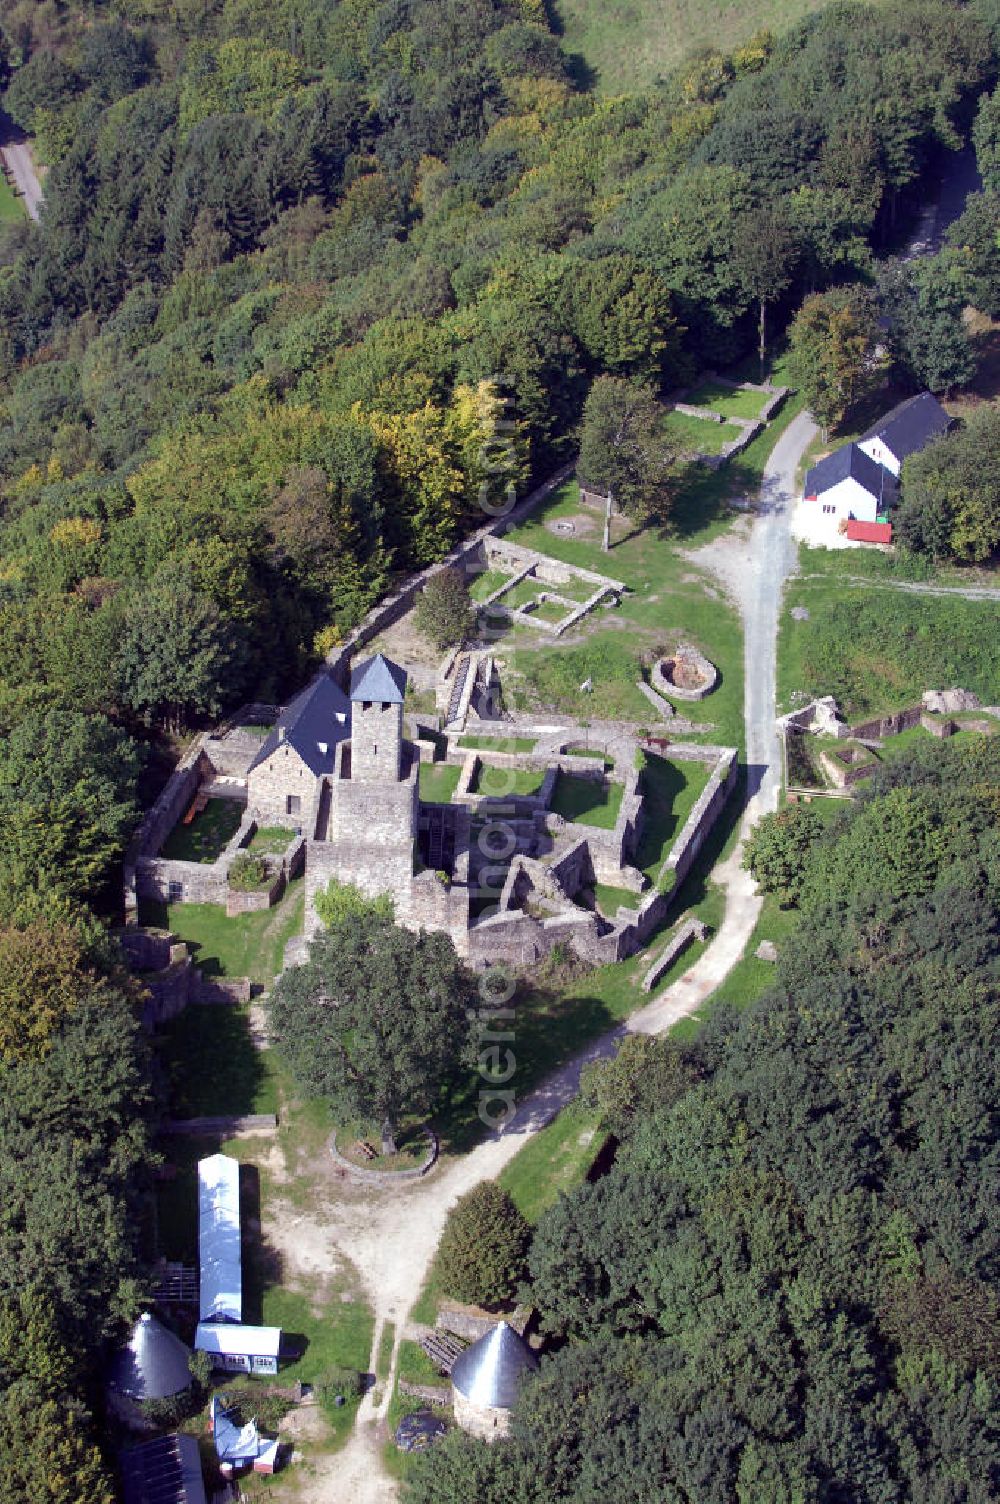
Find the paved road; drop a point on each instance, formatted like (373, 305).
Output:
(390, 1236)
(20, 164)
(772, 559)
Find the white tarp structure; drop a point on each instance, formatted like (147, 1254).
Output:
(250, 1349)
(221, 1296)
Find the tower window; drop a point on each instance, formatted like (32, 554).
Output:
(374, 749)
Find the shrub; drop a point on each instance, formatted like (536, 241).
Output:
(336, 1381)
(248, 872)
(444, 613)
(483, 1250)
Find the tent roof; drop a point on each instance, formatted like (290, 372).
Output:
(489, 1373)
(153, 1365)
(378, 678)
(219, 1238)
(237, 1340)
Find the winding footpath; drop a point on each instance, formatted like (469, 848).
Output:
(390, 1236)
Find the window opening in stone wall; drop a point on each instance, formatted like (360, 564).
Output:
(293, 804)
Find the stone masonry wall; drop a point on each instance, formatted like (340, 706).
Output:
(269, 787)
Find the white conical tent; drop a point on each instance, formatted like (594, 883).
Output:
(153, 1365)
(490, 1372)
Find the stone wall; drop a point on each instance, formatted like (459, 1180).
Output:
(479, 1420)
(887, 725)
(691, 929)
(502, 553)
(704, 814)
(270, 787)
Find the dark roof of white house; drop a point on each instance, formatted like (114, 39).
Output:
(164, 1471)
(154, 1363)
(850, 462)
(378, 678)
(312, 724)
(910, 426)
(489, 1373)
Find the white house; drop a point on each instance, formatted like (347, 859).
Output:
(849, 484)
(905, 431)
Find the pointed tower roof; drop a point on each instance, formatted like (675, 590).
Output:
(154, 1363)
(379, 678)
(489, 1373)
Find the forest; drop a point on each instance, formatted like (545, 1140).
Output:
(304, 269)
(786, 1286)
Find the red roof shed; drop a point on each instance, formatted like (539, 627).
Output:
(869, 532)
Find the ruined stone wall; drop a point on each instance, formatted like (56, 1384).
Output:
(198, 882)
(704, 814)
(888, 725)
(232, 753)
(501, 553)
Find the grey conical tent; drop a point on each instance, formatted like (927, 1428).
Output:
(154, 1363)
(489, 1373)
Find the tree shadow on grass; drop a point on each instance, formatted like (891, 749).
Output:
(211, 1063)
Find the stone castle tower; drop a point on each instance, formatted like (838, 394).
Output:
(377, 690)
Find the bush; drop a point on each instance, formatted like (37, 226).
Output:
(339, 901)
(482, 1254)
(336, 1381)
(444, 611)
(268, 1407)
(248, 872)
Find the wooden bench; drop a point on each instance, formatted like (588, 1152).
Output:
(365, 1151)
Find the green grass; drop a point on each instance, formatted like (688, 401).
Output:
(587, 801)
(699, 435)
(498, 743)
(212, 1067)
(626, 44)
(523, 592)
(551, 679)
(484, 584)
(415, 1367)
(670, 790)
(249, 945)
(496, 782)
(11, 207)
(339, 1337)
(271, 840)
(438, 782)
(610, 900)
(385, 1351)
(551, 611)
(722, 399)
(877, 648)
(579, 749)
(207, 835)
(554, 1162)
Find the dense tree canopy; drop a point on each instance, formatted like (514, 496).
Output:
(377, 1020)
(951, 492)
(784, 1288)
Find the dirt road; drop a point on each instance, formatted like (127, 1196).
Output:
(17, 158)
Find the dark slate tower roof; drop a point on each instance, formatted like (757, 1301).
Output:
(489, 1373)
(313, 723)
(910, 426)
(153, 1365)
(378, 678)
(850, 462)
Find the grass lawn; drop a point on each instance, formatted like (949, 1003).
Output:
(212, 1066)
(208, 834)
(722, 399)
(699, 435)
(483, 586)
(249, 945)
(523, 592)
(271, 840)
(551, 611)
(438, 782)
(385, 1347)
(498, 743)
(616, 45)
(495, 782)
(670, 790)
(586, 801)
(550, 678)
(11, 207)
(341, 1336)
(876, 649)
(610, 900)
(555, 1161)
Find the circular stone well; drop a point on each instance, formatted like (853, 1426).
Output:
(685, 675)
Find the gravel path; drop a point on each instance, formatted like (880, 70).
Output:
(390, 1235)
(20, 164)
(966, 592)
